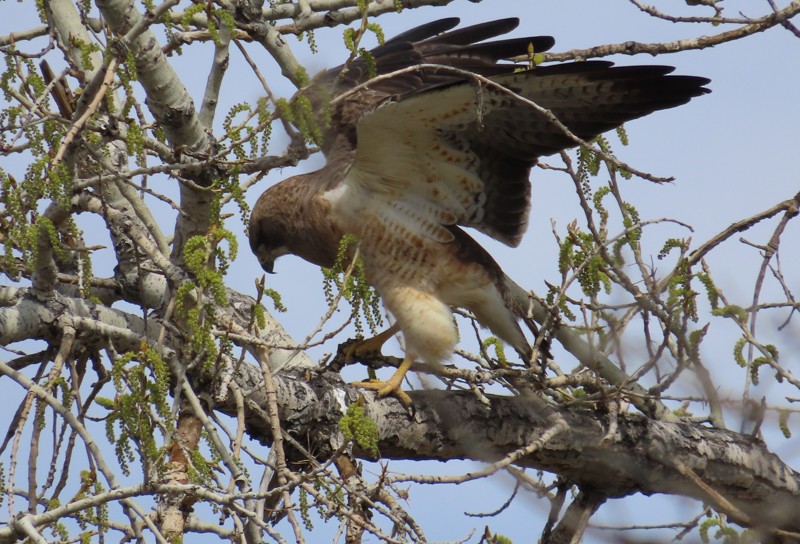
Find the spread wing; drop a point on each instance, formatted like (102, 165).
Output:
(435, 148)
(433, 43)
(464, 152)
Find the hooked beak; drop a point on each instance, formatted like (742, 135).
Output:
(266, 257)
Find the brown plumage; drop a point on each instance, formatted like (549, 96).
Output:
(413, 157)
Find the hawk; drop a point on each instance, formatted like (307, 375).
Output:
(416, 149)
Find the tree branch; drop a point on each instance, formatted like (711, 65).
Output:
(456, 425)
(172, 106)
(636, 48)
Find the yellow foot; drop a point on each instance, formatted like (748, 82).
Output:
(384, 389)
(392, 385)
(363, 349)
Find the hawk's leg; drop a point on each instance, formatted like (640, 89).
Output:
(392, 385)
(370, 346)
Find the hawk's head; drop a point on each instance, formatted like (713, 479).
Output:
(290, 218)
(266, 241)
(269, 229)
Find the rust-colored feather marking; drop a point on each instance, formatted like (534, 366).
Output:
(413, 157)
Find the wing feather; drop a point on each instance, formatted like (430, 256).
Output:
(433, 147)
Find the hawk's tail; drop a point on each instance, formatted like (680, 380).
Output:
(520, 301)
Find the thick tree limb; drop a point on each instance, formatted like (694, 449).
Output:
(649, 456)
(170, 103)
(23, 316)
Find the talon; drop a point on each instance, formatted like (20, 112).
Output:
(384, 389)
(392, 385)
(363, 349)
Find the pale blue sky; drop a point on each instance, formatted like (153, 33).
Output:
(733, 153)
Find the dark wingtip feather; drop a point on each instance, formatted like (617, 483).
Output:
(512, 47)
(479, 32)
(428, 30)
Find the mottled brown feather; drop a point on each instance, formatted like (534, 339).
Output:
(414, 156)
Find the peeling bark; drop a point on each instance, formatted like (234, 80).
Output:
(456, 425)
(602, 453)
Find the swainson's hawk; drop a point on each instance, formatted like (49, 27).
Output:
(415, 156)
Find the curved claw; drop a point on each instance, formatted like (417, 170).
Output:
(392, 385)
(361, 349)
(385, 389)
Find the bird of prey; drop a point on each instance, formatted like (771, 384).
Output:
(416, 149)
